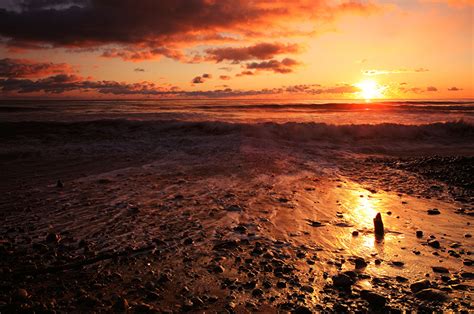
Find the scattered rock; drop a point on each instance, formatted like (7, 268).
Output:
(59, 184)
(355, 233)
(121, 304)
(433, 211)
(188, 241)
(440, 269)
(360, 263)
(53, 238)
(374, 299)
(420, 285)
(434, 243)
(342, 281)
(419, 234)
(432, 295)
(21, 295)
(234, 208)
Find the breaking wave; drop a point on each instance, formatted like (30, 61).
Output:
(120, 129)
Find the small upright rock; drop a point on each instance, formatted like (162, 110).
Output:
(59, 184)
(419, 234)
(378, 226)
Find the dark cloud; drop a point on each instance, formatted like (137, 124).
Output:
(21, 68)
(136, 30)
(283, 67)
(63, 83)
(139, 70)
(454, 89)
(431, 89)
(197, 80)
(201, 79)
(262, 51)
(224, 77)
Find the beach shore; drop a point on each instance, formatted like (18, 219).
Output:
(211, 217)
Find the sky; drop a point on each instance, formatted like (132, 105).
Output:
(295, 49)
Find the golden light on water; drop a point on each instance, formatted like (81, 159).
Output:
(364, 210)
(370, 89)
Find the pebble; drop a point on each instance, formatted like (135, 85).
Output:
(419, 234)
(434, 243)
(433, 211)
(355, 233)
(121, 304)
(360, 263)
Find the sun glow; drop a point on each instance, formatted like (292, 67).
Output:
(370, 89)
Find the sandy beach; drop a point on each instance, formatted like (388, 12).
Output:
(181, 216)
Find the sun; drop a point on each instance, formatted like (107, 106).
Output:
(370, 89)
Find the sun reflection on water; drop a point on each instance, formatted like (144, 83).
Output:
(364, 210)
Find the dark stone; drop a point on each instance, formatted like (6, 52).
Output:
(432, 295)
(378, 226)
(419, 234)
(342, 281)
(360, 263)
(355, 233)
(257, 292)
(374, 299)
(440, 269)
(434, 243)
(420, 285)
(433, 211)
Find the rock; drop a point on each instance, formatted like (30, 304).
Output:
(188, 241)
(121, 304)
(440, 269)
(302, 310)
(240, 229)
(434, 243)
(420, 285)
(22, 295)
(419, 234)
(59, 184)
(401, 279)
(432, 295)
(397, 263)
(217, 269)
(433, 211)
(53, 238)
(374, 299)
(378, 226)
(234, 208)
(144, 308)
(378, 261)
(360, 263)
(468, 235)
(342, 281)
(281, 284)
(308, 289)
(355, 233)
(467, 275)
(257, 292)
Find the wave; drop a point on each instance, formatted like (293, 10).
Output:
(150, 130)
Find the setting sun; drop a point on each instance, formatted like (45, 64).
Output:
(370, 89)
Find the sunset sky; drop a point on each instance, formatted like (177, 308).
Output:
(308, 49)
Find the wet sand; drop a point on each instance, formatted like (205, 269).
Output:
(199, 220)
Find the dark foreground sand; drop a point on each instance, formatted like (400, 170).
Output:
(214, 218)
